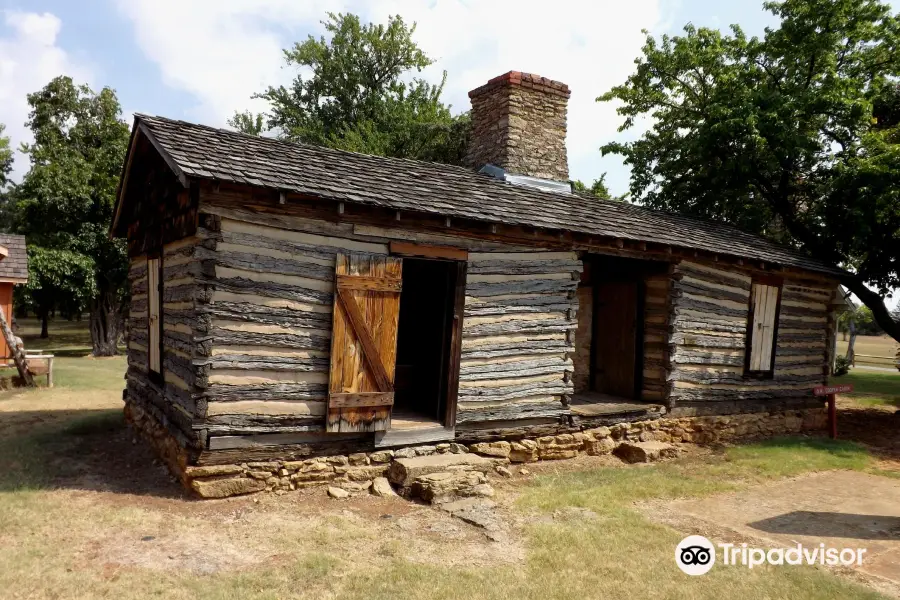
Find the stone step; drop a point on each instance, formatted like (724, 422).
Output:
(642, 452)
(447, 486)
(403, 471)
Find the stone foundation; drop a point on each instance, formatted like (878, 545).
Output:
(355, 472)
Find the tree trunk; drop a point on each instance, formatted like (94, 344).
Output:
(106, 322)
(851, 353)
(43, 313)
(876, 305)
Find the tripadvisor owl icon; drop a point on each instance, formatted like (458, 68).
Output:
(695, 555)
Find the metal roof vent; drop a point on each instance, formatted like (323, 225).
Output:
(547, 185)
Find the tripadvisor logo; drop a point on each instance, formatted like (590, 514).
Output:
(696, 555)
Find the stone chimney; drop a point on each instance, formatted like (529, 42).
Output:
(519, 124)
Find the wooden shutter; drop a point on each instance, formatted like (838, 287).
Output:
(764, 305)
(364, 342)
(153, 308)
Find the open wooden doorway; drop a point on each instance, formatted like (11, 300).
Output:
(428, 345)
(626, 304)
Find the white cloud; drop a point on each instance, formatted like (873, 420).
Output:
(222, 51)
(29, 59)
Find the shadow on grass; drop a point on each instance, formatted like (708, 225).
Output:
(79, 449)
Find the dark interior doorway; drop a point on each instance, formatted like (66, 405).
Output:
(424, 341)
(617, 329)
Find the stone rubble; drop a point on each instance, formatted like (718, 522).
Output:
(338, 493)
(503, 471)
(381, 487)
(643, 452)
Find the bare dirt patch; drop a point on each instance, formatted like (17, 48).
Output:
(842, 509)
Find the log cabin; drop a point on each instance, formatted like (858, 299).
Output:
(13, 271)
(292, 301)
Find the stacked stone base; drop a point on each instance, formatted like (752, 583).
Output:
(355, 472)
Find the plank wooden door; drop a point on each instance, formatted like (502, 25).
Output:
(615, 338)
(364, 342)
(764, 305)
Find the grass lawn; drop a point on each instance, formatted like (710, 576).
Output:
(872, 388)
(84, 513)
(71, 338)
(882, 346)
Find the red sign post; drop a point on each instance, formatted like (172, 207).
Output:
(830, 391)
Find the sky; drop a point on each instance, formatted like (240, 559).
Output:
(200, 60)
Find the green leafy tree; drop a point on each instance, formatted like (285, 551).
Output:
(65, 203)
(793, 135)
(248, 122)
(6, 162)
(598, 188)
(59, 280)
(6, 157)
(361, 95)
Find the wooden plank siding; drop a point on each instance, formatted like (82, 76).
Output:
(708, 339)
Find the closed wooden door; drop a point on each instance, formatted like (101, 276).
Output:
(615, 338)
(6, 294)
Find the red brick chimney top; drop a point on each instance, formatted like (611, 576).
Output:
(526, 80)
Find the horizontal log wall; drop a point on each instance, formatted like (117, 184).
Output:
(269, 320)
(269, 316)
(177, 401)
(708, 340)
(518, 335)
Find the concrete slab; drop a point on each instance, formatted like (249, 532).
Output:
(842, 509)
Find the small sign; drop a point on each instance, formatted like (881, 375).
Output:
(827, 390)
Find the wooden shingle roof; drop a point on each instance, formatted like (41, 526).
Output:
(13, 266)
(197, 151)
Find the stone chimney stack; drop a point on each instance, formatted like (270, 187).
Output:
(519, 124)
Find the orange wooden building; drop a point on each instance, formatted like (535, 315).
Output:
(13, 270)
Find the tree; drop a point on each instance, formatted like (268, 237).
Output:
(598, 188)
(6, 157)
(6, 162)
(794, 135)
(65, 203)
(58, 280)
(360, 95)
(247, 122)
